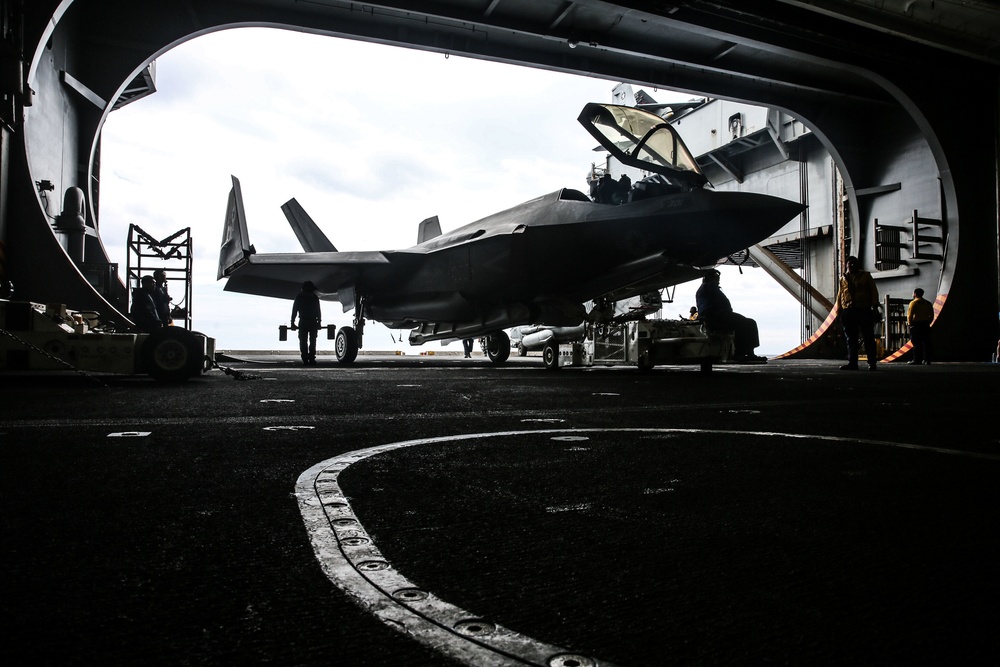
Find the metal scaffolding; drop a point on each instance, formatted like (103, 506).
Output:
(174, 255)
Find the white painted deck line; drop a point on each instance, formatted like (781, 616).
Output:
(354, 564)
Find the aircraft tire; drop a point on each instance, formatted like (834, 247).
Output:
(171, 354)
(498, 347)
(522, 351)
(550, 356)
(346, 345)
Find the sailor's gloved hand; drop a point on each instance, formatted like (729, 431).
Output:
(293, 327)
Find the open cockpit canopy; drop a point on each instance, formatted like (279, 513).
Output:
(643, 140)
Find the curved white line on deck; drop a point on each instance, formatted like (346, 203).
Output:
(354, 564)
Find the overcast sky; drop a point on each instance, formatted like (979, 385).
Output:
(371, 140)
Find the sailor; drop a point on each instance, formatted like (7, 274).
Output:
(715, 311)
(919, 315)
(622, 189)
(857, 302)
(603, 190)
(162, 297)
(306, 307)
(144, 312)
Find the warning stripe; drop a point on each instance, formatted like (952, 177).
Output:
(832, 317)
(827, 323)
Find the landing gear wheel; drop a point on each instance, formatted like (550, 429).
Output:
(498, 347)
(346, 345)
(522, 351)
(172, 354)
(550, 356)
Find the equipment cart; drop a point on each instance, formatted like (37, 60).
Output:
(644, 344)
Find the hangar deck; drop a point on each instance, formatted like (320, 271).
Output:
(787, 513)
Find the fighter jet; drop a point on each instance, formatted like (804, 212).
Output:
(538, 262)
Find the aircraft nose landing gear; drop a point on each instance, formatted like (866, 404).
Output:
(349, 340)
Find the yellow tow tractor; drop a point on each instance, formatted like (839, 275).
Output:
(48, 337)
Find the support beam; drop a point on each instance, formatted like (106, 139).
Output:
(774, 129)
(83, 90)
(727, 166)
(817, 304)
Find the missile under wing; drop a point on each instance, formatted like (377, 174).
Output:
(537, 262)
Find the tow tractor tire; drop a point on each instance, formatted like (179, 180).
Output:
(498, 347)
(550, 356)
(172, 354)
(203, 367)
(346, 345)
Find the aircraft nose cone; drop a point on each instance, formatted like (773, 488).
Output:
(760, 216)
(739, 220)
(790, 209)
(772, 213)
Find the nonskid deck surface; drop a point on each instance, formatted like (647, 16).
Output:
(434, 510)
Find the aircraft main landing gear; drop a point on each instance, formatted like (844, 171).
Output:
(346, 345)
(498, 347)
(349, 340)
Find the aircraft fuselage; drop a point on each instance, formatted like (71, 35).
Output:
(563, 248)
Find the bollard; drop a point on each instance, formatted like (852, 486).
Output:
(283, 332)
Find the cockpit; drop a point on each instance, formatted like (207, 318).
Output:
(641, 139)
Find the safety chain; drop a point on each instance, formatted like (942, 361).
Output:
(54, 358)
(237, 375)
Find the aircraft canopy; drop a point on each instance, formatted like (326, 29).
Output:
(641, 139)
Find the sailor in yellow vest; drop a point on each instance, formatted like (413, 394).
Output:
(857, 302)
(919, 315)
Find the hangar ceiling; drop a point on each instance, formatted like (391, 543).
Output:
(766, 51)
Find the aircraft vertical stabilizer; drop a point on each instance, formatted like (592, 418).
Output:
(307, 232)
(428, 229)
(235, 241)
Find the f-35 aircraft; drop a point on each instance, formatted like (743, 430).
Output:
(536, 263)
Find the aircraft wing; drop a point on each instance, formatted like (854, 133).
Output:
(281, 275)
